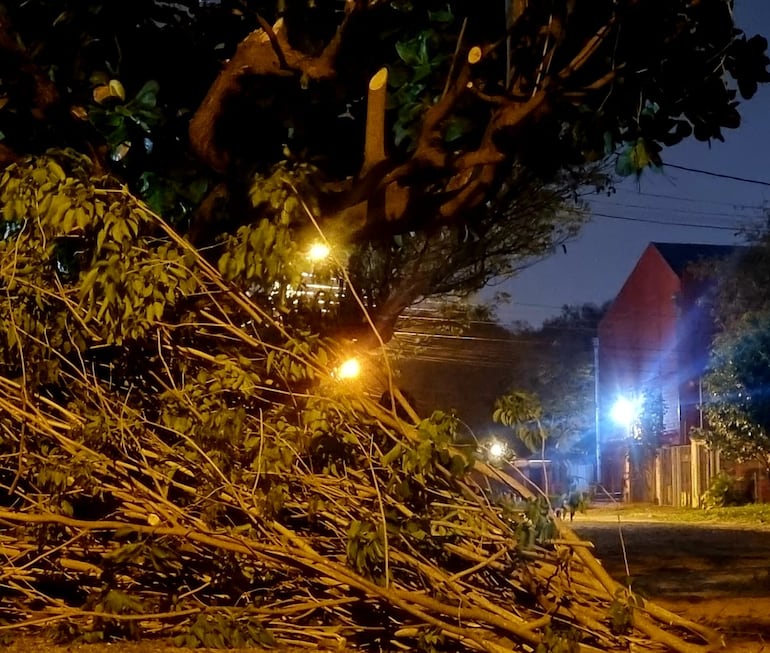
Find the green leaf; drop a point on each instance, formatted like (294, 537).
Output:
(456, 128)
(441, 16)
(458, 465)
(392, 455)
(148, 94)
(408, 51)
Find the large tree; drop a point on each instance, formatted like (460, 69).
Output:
(738, 378)
(437, 144)
(736, 404)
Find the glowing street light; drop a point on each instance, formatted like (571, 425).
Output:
(625, 411)
(318, 251)
(349, 369)
(497, 450)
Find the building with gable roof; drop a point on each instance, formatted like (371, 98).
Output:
(656, 337)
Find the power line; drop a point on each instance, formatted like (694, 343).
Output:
(486, 364)
(679, 198)
(407, 318)
(676, 210)
(447, 336)
(665, 222)
(721, 175)
(637, 354)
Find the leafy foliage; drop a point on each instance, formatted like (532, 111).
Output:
(724, 490)
(66, 230)
(740, 372)
(522, 412)
(652, 410)
(556, 363)
(220, 630)
(179, 416)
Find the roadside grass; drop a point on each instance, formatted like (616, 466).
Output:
(749, 515)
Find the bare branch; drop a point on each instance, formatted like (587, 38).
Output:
(273, 41)
(588, 50)
(515, 114)
(454, 57)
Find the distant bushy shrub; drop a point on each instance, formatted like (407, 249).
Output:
(725, 490)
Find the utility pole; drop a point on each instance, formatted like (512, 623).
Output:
(597, 420)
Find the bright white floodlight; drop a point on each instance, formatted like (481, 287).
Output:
(624, 411)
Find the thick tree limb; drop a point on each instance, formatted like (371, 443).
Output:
(268, 29)
(428, 149)
(267, 52)
(588, 50)
(383, 192)
(510, 116)
(374, 145)
(254, 55)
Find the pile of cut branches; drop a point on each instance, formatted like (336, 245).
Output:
(179, 459)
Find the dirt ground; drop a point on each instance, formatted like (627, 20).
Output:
(717, 575)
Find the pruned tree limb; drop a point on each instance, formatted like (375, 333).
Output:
(587, 51)
(264, 52)
(374, 144)
(277, 48)
(383, 190)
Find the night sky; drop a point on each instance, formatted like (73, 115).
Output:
(598, 262)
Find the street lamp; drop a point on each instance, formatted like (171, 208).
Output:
(349, 369)
(497, 450)
(318, 251)
(625, 411)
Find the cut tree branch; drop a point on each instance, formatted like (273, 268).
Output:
(374, 145)
(266, 51)
(588, 50)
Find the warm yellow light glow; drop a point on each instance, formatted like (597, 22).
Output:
(350, 369)
(318, 251)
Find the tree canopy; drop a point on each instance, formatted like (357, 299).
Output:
(437, 144)
(553, 362)
(558, 367)
(738, 375)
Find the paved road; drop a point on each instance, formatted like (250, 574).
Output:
(684, 560)
(719, 575)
